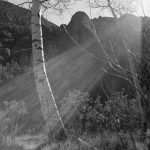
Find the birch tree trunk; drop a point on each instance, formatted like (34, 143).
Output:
(48, 105)
(42, 83)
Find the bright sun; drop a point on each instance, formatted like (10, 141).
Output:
(144, 7)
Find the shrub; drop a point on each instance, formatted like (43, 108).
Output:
(9, 72)
(125, 111)
(112, 126)
(117, 114)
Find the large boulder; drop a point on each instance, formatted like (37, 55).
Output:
(22, 51)
(4, 54)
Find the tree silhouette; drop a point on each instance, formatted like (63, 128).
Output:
(118, 8)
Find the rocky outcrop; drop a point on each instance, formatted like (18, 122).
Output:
(4, 54)
(80, 27)
(22, 51)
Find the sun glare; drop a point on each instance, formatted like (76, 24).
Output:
(143, 8)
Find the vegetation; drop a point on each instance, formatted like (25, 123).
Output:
(9, 72)
(117, 114)
(112, 125)
(10, 127)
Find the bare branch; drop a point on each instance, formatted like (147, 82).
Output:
(58, 6)
(142, 8)
(117, 7)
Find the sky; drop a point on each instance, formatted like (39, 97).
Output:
(82, 5)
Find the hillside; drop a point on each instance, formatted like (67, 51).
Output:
(15, 33)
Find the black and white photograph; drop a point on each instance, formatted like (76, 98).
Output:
(74, 74)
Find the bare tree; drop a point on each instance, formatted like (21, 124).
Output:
(117, 7)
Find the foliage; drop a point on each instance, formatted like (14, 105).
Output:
(124, 111)
(118, 114)
(9, 72)
(10, 120)
(114, 125)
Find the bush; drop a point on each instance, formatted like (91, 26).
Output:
(125, 112)
(114, 125)
(9, 72)
(118, 114)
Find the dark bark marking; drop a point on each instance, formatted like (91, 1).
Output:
(36, 40)
(39, 48)
(41, 80)
(40, 60)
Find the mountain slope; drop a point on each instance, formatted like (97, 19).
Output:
(15, 32)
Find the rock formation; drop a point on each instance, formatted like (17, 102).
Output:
(80, 27)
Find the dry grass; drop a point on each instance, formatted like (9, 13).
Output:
(9, 144)
(107, 141)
